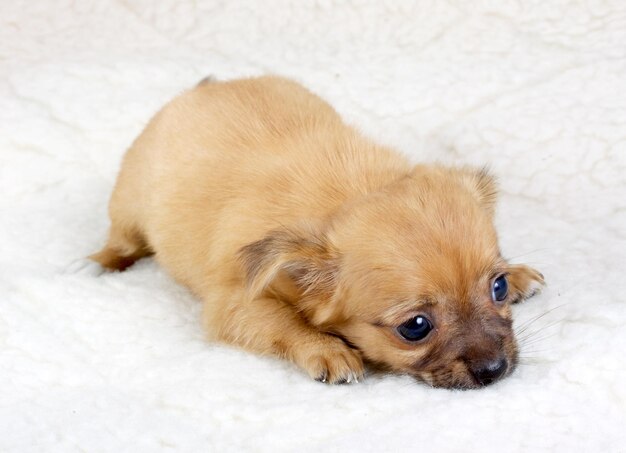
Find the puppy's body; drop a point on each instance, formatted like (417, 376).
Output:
(295, 230)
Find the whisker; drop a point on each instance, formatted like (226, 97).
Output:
(536, 340)
(527, 253)
(525, 325)
(524, 358)
(530, 335)
(531, 344)
(532, 362)
(528, 353)
(533, 354)
(524, 343)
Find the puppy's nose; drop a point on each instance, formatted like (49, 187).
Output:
(489, 371)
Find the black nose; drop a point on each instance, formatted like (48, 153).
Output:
(490, 371)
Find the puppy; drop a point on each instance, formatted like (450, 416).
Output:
(307, 241)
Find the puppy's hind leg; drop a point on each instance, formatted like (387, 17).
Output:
(124, 247)
(127, 242)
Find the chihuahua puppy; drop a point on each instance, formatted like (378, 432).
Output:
(307, 241)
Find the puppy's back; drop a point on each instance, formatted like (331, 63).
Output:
(225, 162)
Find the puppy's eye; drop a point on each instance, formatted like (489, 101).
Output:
(415, 329)
(500, 289)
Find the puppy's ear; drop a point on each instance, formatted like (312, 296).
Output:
(482, 185)
(301, 252)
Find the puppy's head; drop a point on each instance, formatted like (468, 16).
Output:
(411, 276)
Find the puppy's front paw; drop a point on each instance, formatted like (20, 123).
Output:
(330, 360)
(525, 282)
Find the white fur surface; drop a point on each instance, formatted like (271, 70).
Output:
(117, 362)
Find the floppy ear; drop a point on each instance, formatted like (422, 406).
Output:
(302, 252)
(482, 185)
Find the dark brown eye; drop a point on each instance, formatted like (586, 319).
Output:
(415, 329)
(499, 289)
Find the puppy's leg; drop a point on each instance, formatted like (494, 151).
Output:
(124, 247)
(524, 282)
(126, 243)
(269, 326)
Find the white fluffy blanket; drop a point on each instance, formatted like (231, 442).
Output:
(118, 363)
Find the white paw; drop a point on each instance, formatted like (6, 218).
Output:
(84, 267)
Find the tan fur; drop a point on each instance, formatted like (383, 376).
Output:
(302, 237)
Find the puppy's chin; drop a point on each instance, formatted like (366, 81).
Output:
(452, 379)
(457, 374)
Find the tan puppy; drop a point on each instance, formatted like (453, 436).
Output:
(307, 241)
